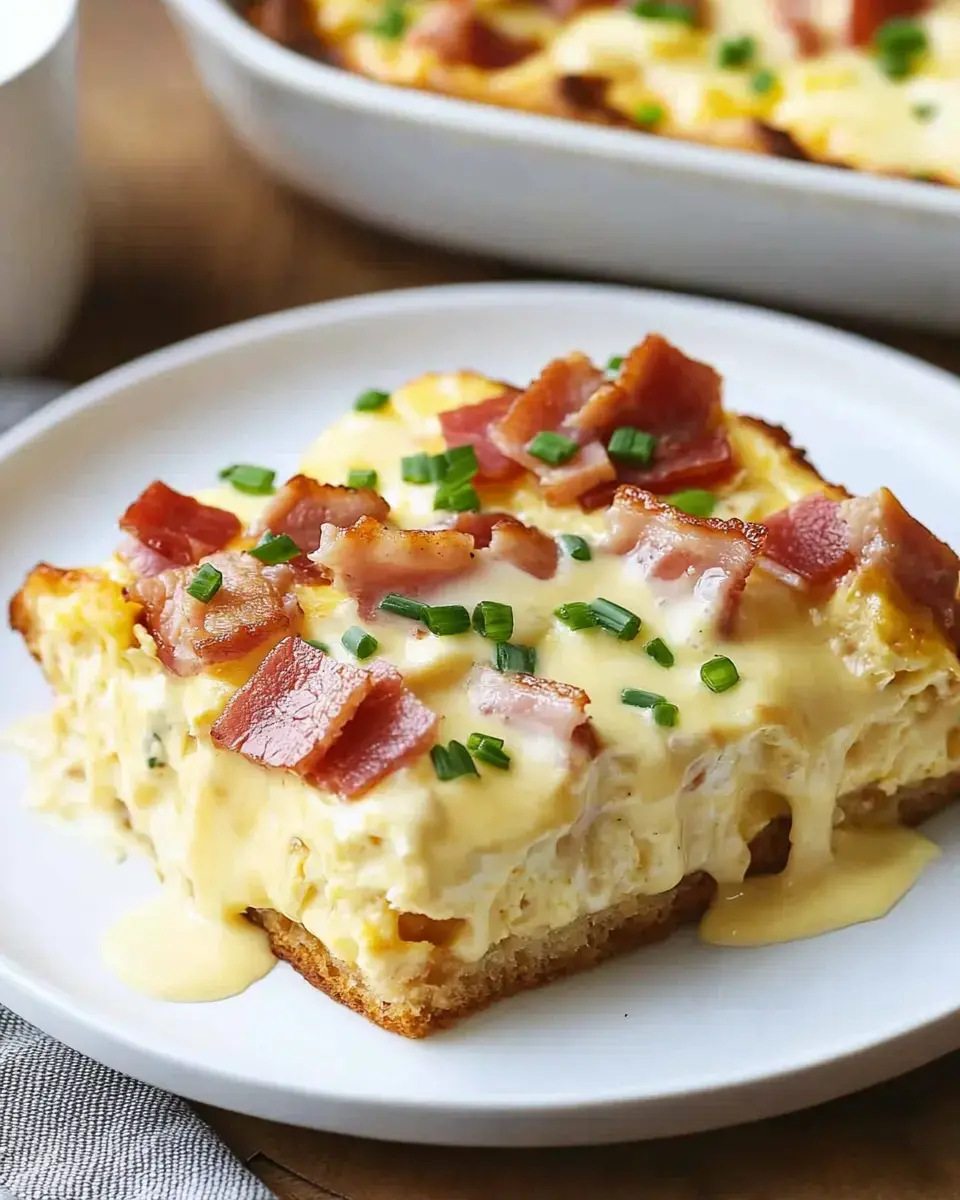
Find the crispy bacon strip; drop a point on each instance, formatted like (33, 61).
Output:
(293, 708)
(867, 16)
(303, 505)
(810, 539)
(470, 426)
(460, 38)
(796, 16)
(526, 548)
(253, 609)
(685, 558)
(370, 559)
(178, 528)
(479, 525)
(544, 705)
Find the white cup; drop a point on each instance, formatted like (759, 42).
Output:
(42, 234)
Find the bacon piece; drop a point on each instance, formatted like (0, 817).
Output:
(179, 528)
(303, 505)
(470, 426)
(684, 557)
(525, 547)
(293, 708)
(371, 559)
(867, 16)
(544, 705)
(460, 38)
(253, 608)
(390, 729)
(796, 17)
(810, 539)
(479, 525)
(884, 535)
(141, 559)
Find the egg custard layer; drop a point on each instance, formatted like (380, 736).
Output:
(398, 899)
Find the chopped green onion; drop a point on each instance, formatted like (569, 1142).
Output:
(318, 645)
(660, 652)
(275, 548)
(763, 82)
(474, 740)
(441, 763)
(924, 112)
(206, 583)
(451, 762)
(157, 756)
(153, 762)
(492, 754)
(360, 477)
(254, 481)
(438, 467)
(658, 10)
(899, 42)
(371, 400)
(576, 615)
(665, 714)
(614, 364)
(360, 643)
(461, 497)
(574, 546)
(649, 114)
(392, 21)
(552, 448)
(508, 657)
(403, 606)
(445, 619)
(719, 674)
(493, 620)
(613, 618)
(415, 468)
(460, 757)
(736, 52)
(632, 445)
(695, 501)
(462, 464)
(637, 698)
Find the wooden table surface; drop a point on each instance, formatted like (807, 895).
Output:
(189, 235)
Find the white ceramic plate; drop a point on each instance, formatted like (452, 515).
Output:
(574, 196)
(663, 1041)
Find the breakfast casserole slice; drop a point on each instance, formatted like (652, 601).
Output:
(504, 682)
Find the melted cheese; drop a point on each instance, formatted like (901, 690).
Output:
(831, 700)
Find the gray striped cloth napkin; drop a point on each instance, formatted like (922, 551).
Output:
(71, 1129)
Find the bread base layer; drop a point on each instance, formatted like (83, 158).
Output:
(454, 989)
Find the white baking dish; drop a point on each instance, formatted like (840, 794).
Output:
(561, 194)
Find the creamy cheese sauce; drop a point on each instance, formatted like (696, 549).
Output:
(830, 700)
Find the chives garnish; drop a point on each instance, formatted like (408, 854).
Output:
(658, 10)
(445, 619)
(403, 606)
(460, 757)
(206, 583)
(360, 477)
(254, 481)
(736, 52)
(660, 652)
(631, 445)
(489, 752)
(763, 82)
(898, 43)
(614, 364)
(415, 468)
(493, 620)
(576, 615)
(719, 674)
(360, 643)
(371, 400)
(453, 471)
(638, 698)
(613, 618)
(924, 112)
(665, 714)
(695, 501)
(552, 448)
(474, 740)
(649, 114)
(508, 657)
(392, 21)
(317, 645)
(157, 756)
(275, 548)
(451, 762)
(462, 464)
(460, 497)
(574, 546)
(438, 466)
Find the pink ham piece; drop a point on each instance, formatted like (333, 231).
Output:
(681, 557)
(549, 404)
(253, 609)
(512, 541)
(460, 38)
(177, 529)
(341, 727)
(542, 705)
(371, 559)
(470, 426)
(303, 505)
(810, 540)
(797, 18)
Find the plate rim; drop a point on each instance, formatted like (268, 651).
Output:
(117, 1045)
